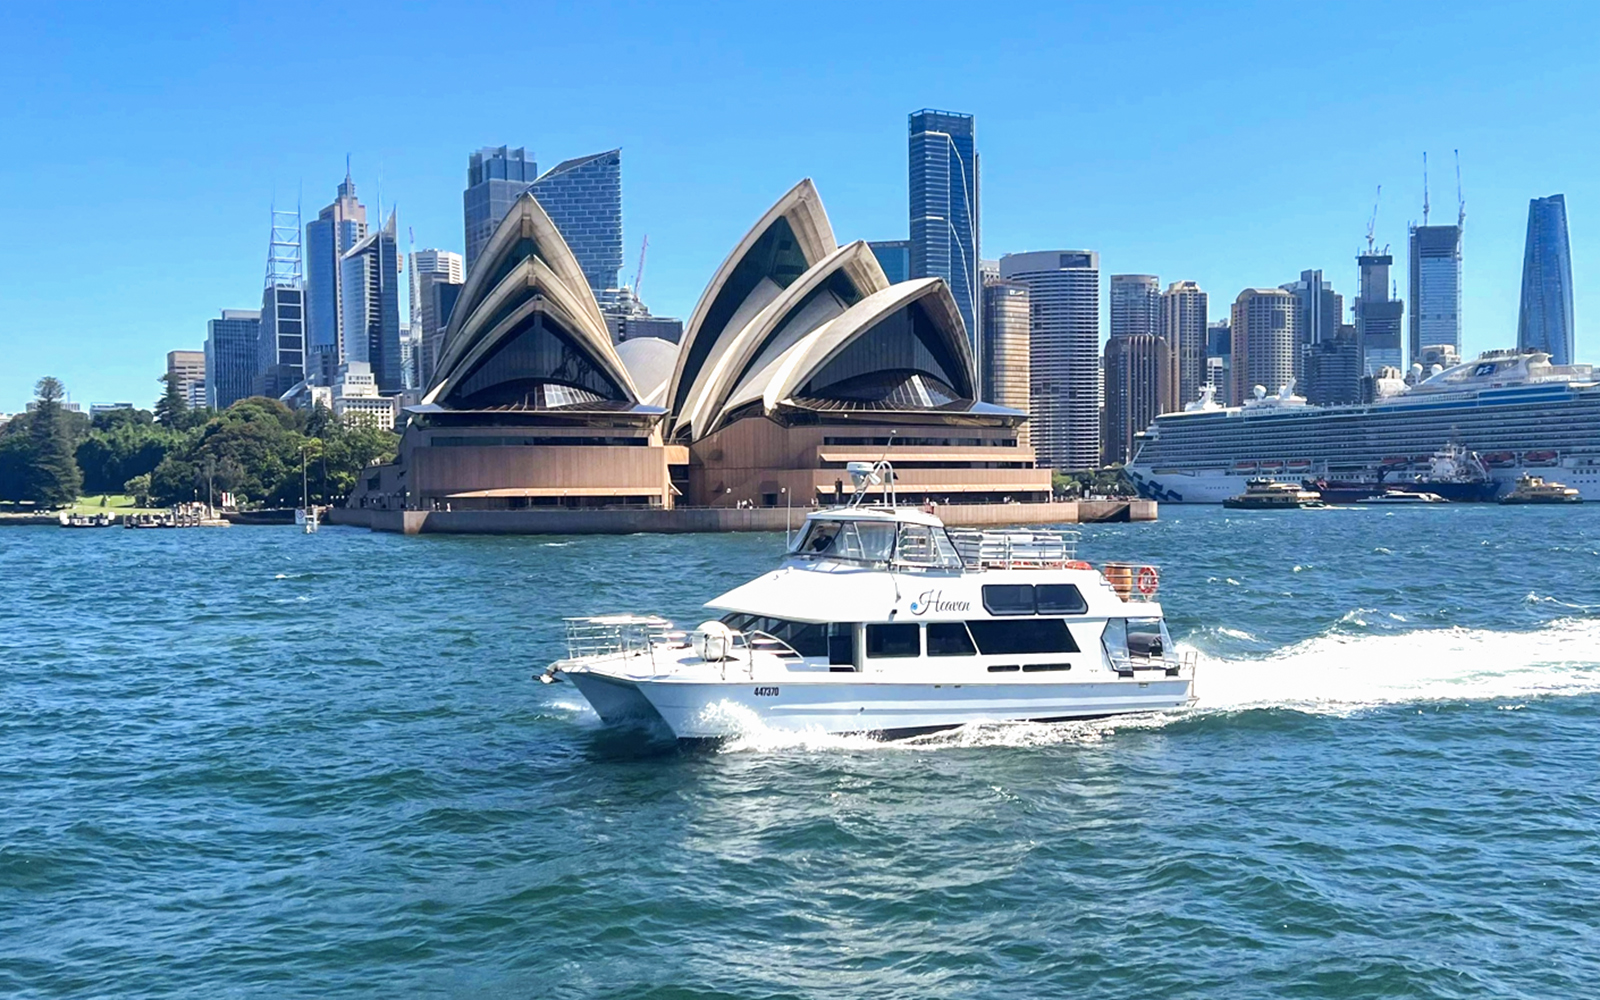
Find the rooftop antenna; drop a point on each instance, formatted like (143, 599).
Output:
(1461, 203)
(1424, 189)
(1372, 223)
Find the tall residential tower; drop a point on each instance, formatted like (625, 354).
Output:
(1183, 325)
(1063, 353)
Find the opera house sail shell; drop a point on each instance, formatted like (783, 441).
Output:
(800, 357)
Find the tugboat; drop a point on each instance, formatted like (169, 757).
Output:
(1265, 494)
(1533, 489)
(880, 620)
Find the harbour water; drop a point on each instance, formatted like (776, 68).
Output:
(260, 763)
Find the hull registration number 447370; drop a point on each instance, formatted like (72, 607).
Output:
(766, 692)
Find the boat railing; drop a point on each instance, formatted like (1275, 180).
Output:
(607, 635)
(1015, 549)
(1173, 662)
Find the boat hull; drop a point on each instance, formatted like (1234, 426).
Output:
(1213, 487)
(694, 709)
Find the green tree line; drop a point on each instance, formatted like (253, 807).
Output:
(50, 455)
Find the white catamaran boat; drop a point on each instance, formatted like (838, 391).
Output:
(880, 620)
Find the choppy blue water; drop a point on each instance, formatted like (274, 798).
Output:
(256, 763)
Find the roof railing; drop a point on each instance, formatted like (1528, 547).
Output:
(606, 635)
(1015, 549)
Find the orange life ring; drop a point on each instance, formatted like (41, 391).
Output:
(1148, 580)
(1078, 564)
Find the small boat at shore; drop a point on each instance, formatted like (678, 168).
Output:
(880, 620)
(101, 520)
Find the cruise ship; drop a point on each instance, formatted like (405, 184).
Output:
(1516, 412)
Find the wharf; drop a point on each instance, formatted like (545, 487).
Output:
(628, 521)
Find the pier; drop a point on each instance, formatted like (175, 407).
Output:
(628, 521)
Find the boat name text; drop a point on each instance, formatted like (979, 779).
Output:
(933, 600)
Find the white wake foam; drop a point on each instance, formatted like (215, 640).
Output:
(1343, 673)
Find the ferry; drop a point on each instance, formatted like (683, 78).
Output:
(1513, 408)
(1533, 489)
(1264, 494)
(880, 620)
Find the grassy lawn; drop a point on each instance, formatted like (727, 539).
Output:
(115, 503)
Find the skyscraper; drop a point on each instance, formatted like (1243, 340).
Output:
(231, 356)
(945, 209)
(1135, 304)
(1219, 360)
(427, 268)
(583, 197)
(496, 177)
(1333, 369)
(336, 229)
(1063, 352)
(1435, 287)
(187, 370)
(1265, 332)
(1138, 367)
(1007, 316)
(438, 302)
(1183, 325)
(370, 282)
(1378, 316)
(1320, 312)
(894, 256)
(1544, 322)
(280, 352)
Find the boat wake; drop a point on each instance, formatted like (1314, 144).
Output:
(1332, 674)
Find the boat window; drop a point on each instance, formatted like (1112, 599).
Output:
(1037, 635)
(819, 538)
(842, 644)
(899, 639)
(1115, 640)
(1008, 598)
(916, 545)
(1059, 599)
(805, 638)
(949, 639)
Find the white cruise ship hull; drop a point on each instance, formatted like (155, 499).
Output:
(707, 710)
(1170, 486)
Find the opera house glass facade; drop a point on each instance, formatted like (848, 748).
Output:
(800, 357)
(1545, 320)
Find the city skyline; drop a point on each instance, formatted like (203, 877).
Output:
(1168, 204)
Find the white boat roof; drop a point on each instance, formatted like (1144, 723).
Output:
(877, 512)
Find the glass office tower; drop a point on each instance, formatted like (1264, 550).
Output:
(583, 197)
(1544, 322)
(496, 177)
(944, 209)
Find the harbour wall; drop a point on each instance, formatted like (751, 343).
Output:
(619, 521)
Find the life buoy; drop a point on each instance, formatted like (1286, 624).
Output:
(1077, 564)
(1148, 580)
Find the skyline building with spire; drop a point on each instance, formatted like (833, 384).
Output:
(337, 227)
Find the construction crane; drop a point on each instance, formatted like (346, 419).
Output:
(1424, 189)
(1461, 203)
(1372, 223)
(638, 275)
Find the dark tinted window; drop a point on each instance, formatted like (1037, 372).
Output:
(1036, 635)
(893, 640)
(1059, 599)
(1008, 598)
(807, 638)
(949, 639)
(842, 644)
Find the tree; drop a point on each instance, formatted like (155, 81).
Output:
(53, 476)
(172, 410)
(139, 488)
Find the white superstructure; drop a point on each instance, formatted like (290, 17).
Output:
(879, 620)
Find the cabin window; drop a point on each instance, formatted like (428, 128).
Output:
(1008, 598)
(842, 644)
(1038, 635)
(1147, 638)
(1059, 599)
(805, 638)
(949, 639)
(894, 640)
(916, 545)
(819, 538)
(872, 541)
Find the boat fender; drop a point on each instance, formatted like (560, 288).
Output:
(1148, 580)
(713, 641)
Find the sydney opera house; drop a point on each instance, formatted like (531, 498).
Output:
(799, 358)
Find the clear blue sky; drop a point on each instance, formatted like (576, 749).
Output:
(1235, 146)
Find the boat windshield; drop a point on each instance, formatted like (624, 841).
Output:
(875, 541)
